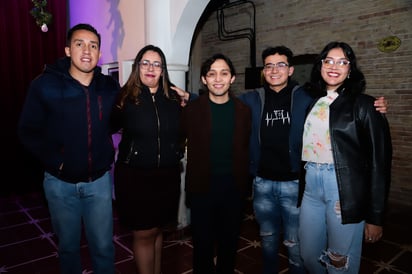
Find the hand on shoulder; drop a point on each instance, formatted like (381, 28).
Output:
(381, 104)
(184, 95)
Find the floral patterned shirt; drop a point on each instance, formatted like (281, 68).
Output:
(316, 136)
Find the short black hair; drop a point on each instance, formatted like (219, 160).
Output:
(208, 63)
(281, 50)
(81, 26)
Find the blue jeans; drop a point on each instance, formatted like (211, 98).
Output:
(275, 206)
(321, 232)
(69, 204)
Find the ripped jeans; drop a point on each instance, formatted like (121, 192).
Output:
(276, 211)
(327, 245)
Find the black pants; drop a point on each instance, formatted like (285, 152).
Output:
(215, 220)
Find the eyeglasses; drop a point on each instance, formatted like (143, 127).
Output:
(279, 66)
(145, 64)
(329, 62)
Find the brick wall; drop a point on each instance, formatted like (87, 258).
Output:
(307, 26)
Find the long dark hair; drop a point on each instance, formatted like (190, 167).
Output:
(354, 84)
(133, 87)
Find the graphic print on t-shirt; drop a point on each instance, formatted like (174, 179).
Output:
(276, 115)
(274, 136)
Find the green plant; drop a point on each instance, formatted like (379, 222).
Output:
(40, 14)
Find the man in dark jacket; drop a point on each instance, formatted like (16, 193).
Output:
(217, 129)
(278, 113)
(65, 124)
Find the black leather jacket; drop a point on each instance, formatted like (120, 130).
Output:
(362, 153)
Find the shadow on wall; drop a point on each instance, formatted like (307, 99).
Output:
(115, 22)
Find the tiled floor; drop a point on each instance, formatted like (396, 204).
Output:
(27, 243)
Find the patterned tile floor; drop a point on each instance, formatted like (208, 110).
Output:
(28, 245)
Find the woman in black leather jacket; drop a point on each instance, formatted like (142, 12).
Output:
(347, 153)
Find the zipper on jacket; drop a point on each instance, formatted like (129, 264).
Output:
(158, 129)
(129, 155)
(89, 132)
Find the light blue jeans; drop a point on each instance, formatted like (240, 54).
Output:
(69, 204)
(321, 232)
(276, 211)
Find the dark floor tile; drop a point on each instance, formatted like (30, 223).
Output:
(20, 234)
(403, 262)
(33, 255)
(8, 206)
(29, 200)
(177, 258)
(398, 225)
(27, 244)
(381, 251)
(398, 232)
(250, 230)
(39, 213)
(247, 264)
(44, 266)
(368, 266)
(125, 267)
(11, 219)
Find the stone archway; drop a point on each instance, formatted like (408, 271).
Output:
(175, 38)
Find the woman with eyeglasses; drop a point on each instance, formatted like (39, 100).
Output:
(147, 169)
(347, 155)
